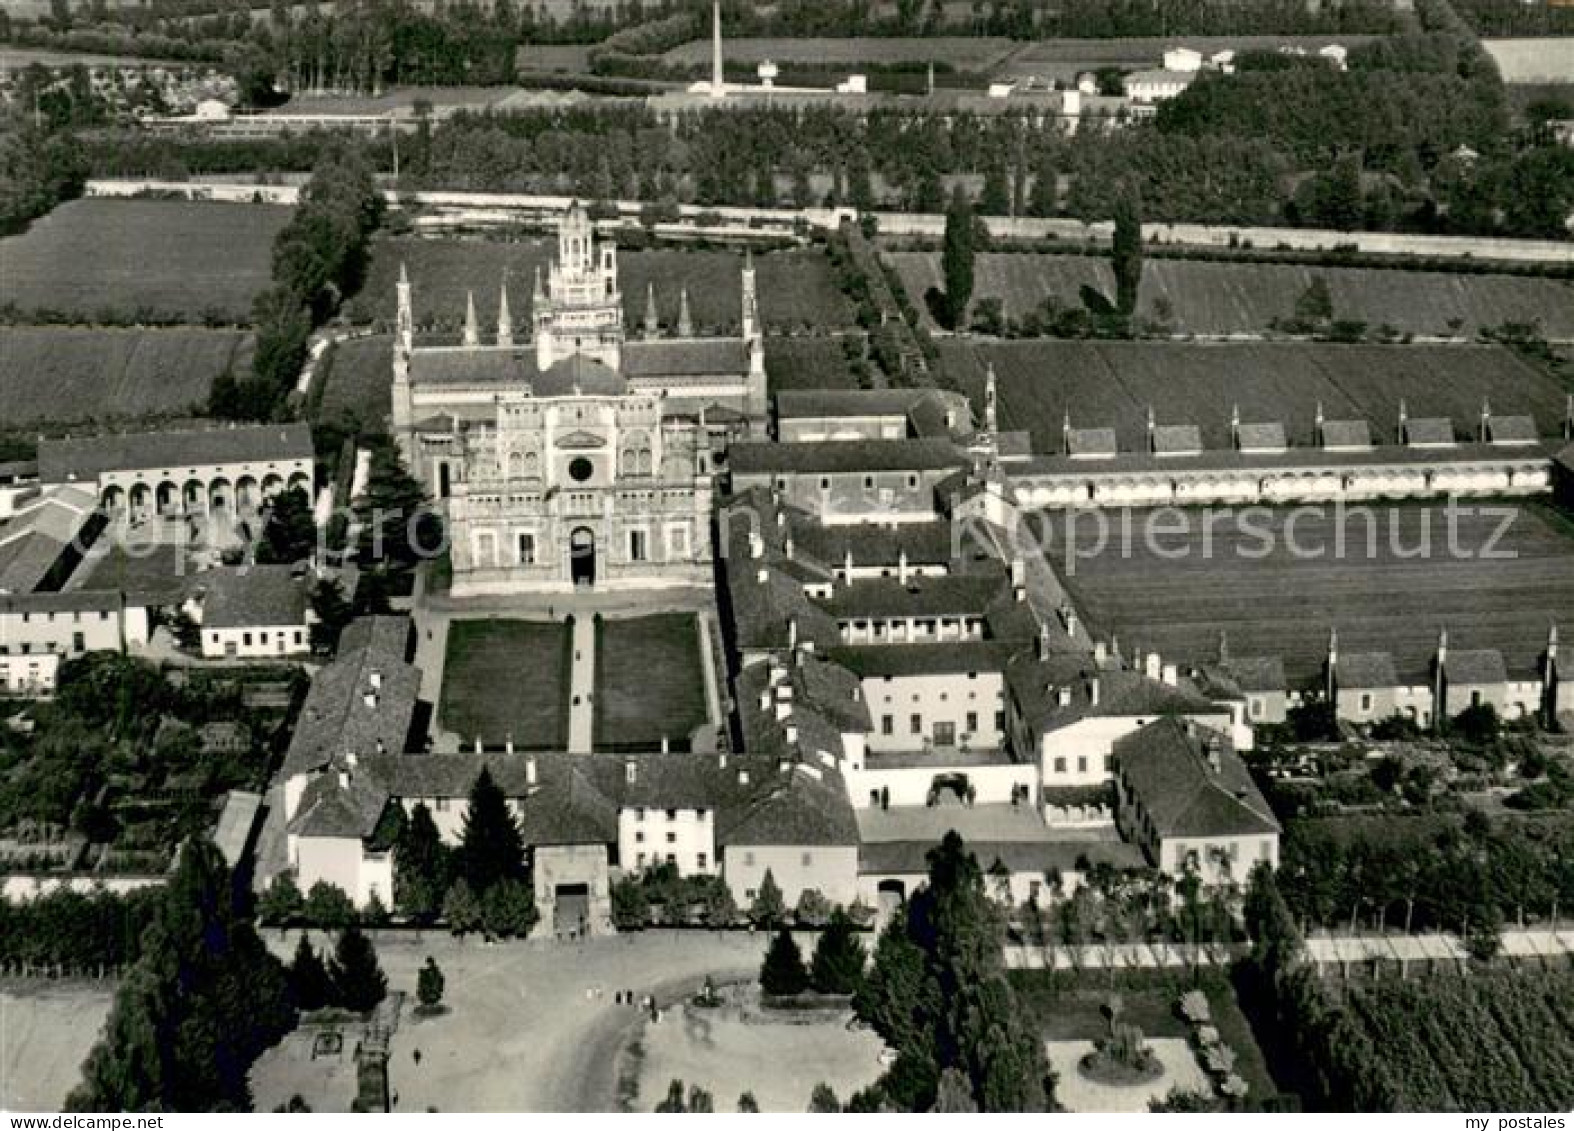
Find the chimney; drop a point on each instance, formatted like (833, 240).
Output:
(792, 633)
(1215, 754)
(743, 776)
(1063, 696)
(630, 771)
(508, 745)
(376, 680)
(478, 748)
(1170, 674)
(370, 700)
(344, 779)
(762, 575)
(787, 547)
(721, 760)
(1093, 691)
(790, 732)
(381, 749)
(756, 545)
(765, 700)
(1043, 642)
(1069, 616)
(530, 770)
(1018, 572)
(1100, 652)
(349, 759)
(901, 566)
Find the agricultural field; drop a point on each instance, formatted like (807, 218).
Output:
(796, 288)
(1482, 1042)
(649, 682)
(1361, 569)
(1544, 60)
(123, 261)
(807, 363)
(1205, 298)
(483, 695)
(46, 1032)
(570, 57)
(1112, 384)
(963, 53)
(1065, 59)
(66, 374)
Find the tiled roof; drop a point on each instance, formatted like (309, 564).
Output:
(1170, 766)
(1260, 437)
(911, 857)
(492, 365)
(1359, 670)
(88, 457)
(337, 718)
(1429, 432)
(387, 635)
(875, 660)
(710, 357)
(941, 595)
(762, 458)
(76, 601)
(813, 404)
(934, 414)
(1511, 430)
(1177, 439)
(1038, 685)
(806, 806)
(1090, 443)
(1239, 675)
(924, 543)
(1342, 435)
(1475, 666)
(243, 596)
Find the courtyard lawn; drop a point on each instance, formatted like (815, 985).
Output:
(649, 682)
(46, 1032)
(507, 678)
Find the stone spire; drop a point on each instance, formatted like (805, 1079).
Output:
(472, 336)
(505, 318)
(652, 324)
(406, 321)
(536, 292)
(685, 321)
(751, 312)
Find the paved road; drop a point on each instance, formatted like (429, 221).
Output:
(582, 686)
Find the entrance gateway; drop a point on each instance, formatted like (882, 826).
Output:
(582, 557)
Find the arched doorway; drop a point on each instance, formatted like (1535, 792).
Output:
(582, 556)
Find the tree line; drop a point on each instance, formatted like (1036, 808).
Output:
(319, 258)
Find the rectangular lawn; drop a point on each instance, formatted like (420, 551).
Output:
(507, 678)
(1167, 594)
(649, 682)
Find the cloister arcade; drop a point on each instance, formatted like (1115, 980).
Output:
(216, 496)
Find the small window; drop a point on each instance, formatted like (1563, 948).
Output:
(672, 838)
(887, 725)
(1366, 702)
(672, 814)
(748, 859)
(1082, 765)
(246, 639)
(1060, 765)
(808, 859)
(639, 838)
(972, 722)
(527, 549)
(916, 724)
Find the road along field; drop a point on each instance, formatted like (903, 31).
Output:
(796, 289)
(1112, 384)
(142, 260)
(1277, 580)
(1065, 59)
(962, 53)
(1242, 298)
(67, 373)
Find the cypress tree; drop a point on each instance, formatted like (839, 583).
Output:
(309, 977)
(1126, 254)
(359, 983)
(957, 257)
(490, 849)
(838, 966)
(782, 974)
(421, 867)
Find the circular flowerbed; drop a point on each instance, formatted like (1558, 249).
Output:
(1121, 1060)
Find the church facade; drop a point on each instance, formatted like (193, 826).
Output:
(580, 457)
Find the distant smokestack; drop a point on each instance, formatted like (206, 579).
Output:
(718, 85)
